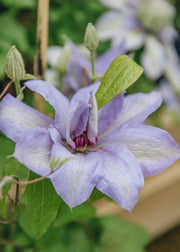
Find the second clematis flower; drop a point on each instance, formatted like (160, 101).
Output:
(110, 148)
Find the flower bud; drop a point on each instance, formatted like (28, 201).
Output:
(155, 15)
(90, 38)
(14, 65)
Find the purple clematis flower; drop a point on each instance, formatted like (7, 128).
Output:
(141, 23)
(78, 67)
(110, 148)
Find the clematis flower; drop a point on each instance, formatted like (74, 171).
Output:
(110, 148)
(141, 23)
(78, 67)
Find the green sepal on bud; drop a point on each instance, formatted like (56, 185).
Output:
(28, 76)
(14, 65)
(90, 39)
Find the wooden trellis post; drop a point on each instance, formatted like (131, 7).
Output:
(42, 42)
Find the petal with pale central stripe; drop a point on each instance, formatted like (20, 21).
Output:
(136, 109)
(16, 117)
(154, 148)
(123, 176)
(55, 98)
(34, 150)
(75, 180)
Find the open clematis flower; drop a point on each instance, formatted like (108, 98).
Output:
(110, 148)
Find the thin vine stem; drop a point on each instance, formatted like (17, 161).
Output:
(35, 180)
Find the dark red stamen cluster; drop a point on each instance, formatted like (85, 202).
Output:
(82, 141)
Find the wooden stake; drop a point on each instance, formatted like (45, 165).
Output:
(42, 42)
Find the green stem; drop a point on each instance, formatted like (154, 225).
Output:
(17, 87)
(92, 64)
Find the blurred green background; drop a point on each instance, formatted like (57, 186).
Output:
(18, 25)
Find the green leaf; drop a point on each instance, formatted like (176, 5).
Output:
(3, 209)
(121, 74)
(22, 221)
(43, 204)
(80, 212)
(6, 148)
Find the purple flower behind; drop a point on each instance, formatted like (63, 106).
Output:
(110, 148)
(79, 68)
(141, 23)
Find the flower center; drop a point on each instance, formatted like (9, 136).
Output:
(82, 141)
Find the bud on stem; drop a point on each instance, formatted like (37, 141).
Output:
(91, 42)
(14, 65)
(90, 38)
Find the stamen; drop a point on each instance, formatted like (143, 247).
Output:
(77, 142)
(82, 142)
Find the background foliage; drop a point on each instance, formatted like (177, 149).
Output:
(66, 17)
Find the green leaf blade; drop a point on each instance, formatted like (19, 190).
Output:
(121, 74)
(43, 204)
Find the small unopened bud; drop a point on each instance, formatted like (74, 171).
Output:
(14, 65)
(90, 38)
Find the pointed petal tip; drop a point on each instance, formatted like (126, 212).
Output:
(123, 176)
(76, 179)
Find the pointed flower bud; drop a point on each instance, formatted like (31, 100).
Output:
(14, 65)
(90, 38)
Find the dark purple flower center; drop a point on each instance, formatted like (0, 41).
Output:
(82, 141)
